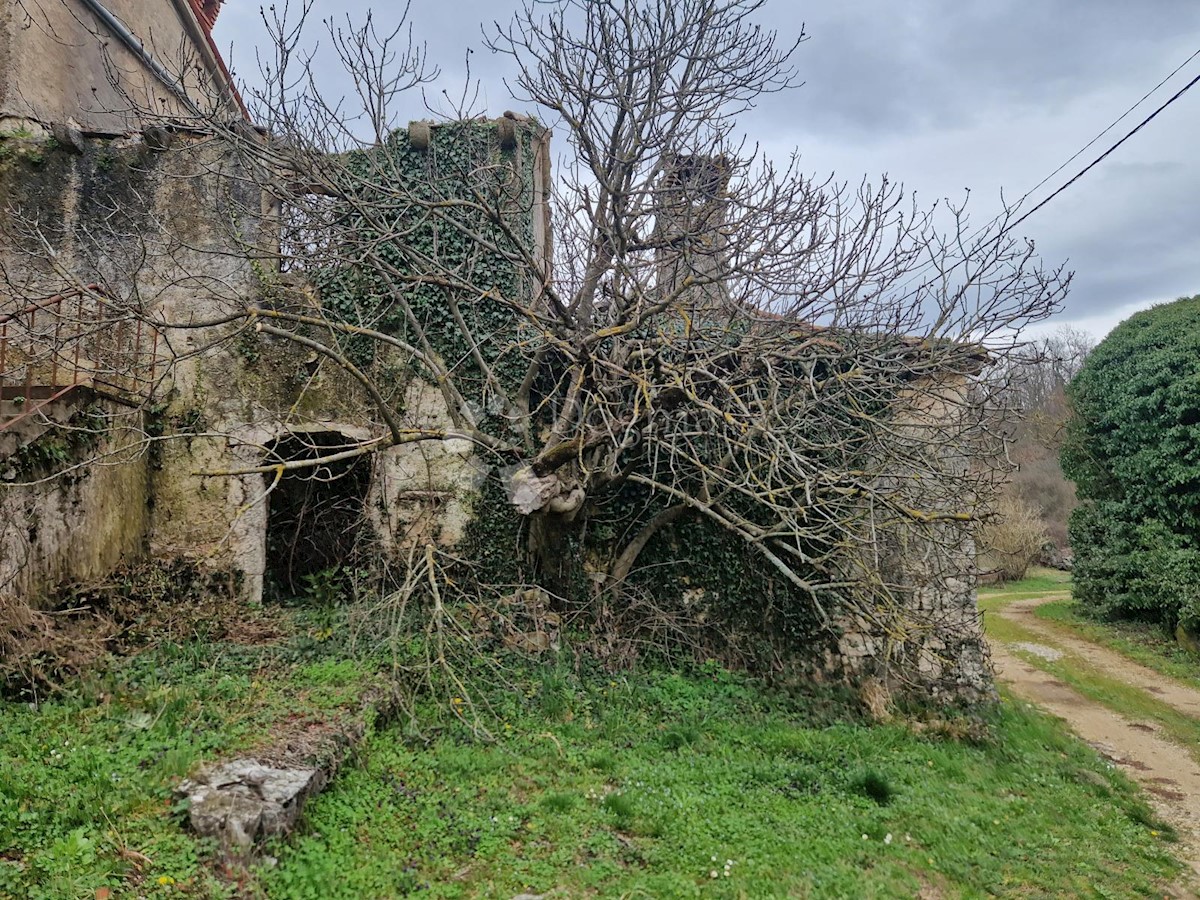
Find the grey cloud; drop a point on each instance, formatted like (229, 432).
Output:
(875, 66)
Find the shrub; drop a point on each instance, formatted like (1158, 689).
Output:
(1127, 570)
(1132, 452)
(874, 786)
(1012, 541)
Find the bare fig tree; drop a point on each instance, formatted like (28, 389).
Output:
(697, 337)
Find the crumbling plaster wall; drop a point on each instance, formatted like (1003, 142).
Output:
(174, 232)
(58, 64)
(253, 393)
(168, 233)
(423, 491)
(77, 527)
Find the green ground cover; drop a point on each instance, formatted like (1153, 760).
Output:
(669, 785)
(1038, 583)
(647, 783)
(85, 775)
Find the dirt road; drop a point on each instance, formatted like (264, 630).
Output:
(1169, 773)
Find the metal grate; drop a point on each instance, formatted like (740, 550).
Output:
(77, 339)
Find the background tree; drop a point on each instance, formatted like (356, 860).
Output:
(1132, 452)
(1035, 503)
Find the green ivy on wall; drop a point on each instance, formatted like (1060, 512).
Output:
(419, 252)
(60, 448)
(429, 257)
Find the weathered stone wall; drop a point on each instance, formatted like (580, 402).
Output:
(174, 234)
(78, 526)
(423, 491)
(930, 644)
(59, 64)
(171, 236)
(926, 638)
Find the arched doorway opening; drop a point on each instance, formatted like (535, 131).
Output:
(316, 513)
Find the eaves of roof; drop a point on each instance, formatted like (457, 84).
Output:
(202, 15)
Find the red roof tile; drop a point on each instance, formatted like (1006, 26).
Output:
(206, 12)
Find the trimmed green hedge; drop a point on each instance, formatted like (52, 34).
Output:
(1133, 451)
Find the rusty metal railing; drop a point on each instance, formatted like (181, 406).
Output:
(76, 339)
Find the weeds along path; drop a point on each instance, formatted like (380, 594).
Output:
(1167, 771)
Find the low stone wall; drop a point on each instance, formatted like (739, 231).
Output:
(933, 651)
(238, 803)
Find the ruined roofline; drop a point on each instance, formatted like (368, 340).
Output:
(694, 183)
(420, 135)
(975, 356)
(508, 124)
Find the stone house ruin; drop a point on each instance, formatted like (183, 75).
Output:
(77, 160)
(110, 212)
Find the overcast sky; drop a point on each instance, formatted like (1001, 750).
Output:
(946, 95)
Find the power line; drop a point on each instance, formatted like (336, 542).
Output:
(1115, 122)
(1099, 159)
(924, 267)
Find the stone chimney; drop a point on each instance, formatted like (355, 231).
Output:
(691, 211)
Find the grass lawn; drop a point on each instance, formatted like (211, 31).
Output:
(648, 783)
(86, 775)
(668, 785)
(1039, 582)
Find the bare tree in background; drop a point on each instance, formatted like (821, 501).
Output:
(1039, 375)
(1038, 498)
(716, 334)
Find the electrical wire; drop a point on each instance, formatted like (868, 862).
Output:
(921, 269)
(1099, 159)
(1115, 122)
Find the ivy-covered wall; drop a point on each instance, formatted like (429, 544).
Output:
(405, 197)
(409, 190)
(695, 586)
(175, 230)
